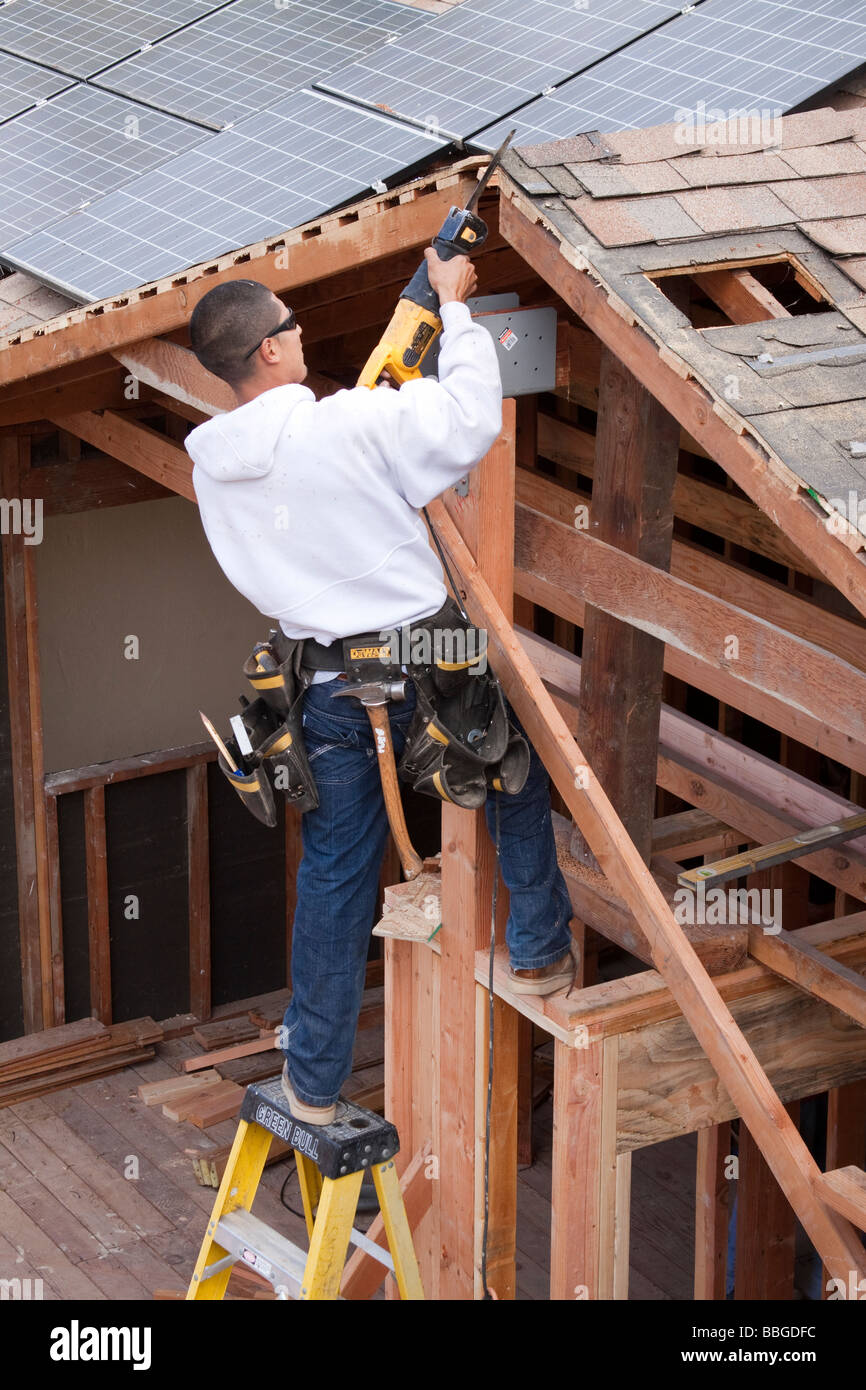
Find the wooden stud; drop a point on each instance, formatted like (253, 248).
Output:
(711, 1212)
(198, 878)
(637, 447)
(55, 910)
(764, 1261)
(468, 865)
(97, 904)
(25, 719)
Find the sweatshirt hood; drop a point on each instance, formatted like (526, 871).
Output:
(242, 443)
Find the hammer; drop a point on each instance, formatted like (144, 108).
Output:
(374, 696)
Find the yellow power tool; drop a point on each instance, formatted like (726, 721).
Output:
(416, 324)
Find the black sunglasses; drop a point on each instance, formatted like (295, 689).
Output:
(285, 327)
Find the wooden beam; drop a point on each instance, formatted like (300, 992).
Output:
(811, 970)
(137, 445)
(797, 723)
(718, 578)
(712, 1023)
(198, 879)
(98, 927)
(702, 784)
(714, 509)
(87, 485)
(352, 237)
(79, 779)
(762, 476)
(632, 510)
(745, 789)
(25, 726)
(739, 295)
(707, 629)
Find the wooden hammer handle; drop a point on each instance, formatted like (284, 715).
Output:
(391, 787)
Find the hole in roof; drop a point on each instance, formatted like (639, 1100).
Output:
(740, 292)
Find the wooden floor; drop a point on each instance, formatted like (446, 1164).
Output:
(98, 1198)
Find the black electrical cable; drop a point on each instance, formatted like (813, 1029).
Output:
(437, 543)
(286, 1204)
(490, 1016)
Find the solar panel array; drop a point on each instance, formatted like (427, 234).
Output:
(483, 59)
(23, 85)
(105, 186)
(83, 144)
(275, 170)
(82, 37)
(253, 53)
(726, 54)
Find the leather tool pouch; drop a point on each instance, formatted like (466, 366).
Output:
(253, 787)
(273, 721)
(278, 761)
(460, 741)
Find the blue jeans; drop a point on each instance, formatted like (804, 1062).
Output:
(344, 841)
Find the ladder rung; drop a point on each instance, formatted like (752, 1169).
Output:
(370, 1248)
(275, 1258)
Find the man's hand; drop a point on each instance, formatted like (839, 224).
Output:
(454, 280)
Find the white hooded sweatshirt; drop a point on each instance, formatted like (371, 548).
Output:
(311, 507)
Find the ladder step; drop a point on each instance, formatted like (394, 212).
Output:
(357, 1139)
(263, 1249)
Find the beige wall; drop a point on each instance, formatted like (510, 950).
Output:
(144, 570)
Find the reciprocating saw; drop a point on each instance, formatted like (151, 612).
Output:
(416, 324)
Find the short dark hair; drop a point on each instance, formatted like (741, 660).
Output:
(225, 324)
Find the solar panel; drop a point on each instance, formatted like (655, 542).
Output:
(77, 147)
(82, 37)
(465, 69)
(23, 85)
(253, 53)
(272, 171)
(727, 55)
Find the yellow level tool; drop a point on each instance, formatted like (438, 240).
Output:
(331, 1161)
(779, 852)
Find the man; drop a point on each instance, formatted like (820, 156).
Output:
(311, 509)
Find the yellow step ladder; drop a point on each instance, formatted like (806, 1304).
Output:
(331, 1161)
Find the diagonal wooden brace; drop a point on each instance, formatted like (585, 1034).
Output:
(712, 1023)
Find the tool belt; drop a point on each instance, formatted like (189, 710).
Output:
(460, 742)
(272, 721)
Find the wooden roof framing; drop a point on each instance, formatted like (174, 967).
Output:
(70, 371)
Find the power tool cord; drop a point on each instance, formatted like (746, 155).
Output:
(445, 566)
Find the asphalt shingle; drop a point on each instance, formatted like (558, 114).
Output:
(734, 209)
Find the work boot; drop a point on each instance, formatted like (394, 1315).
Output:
(547, 979)
(307, 1114)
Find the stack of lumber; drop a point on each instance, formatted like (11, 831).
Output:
(203, 1099)
(57, 1057)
